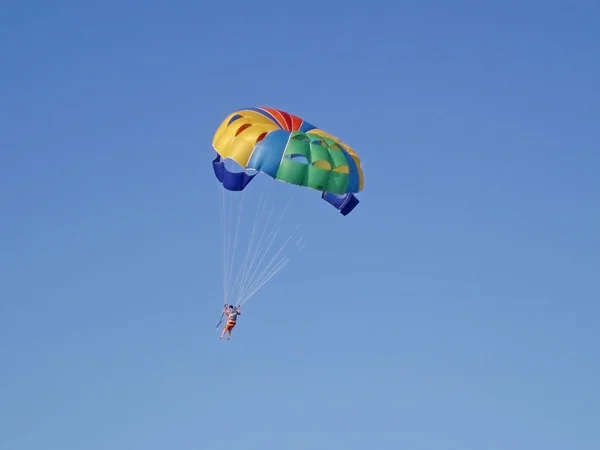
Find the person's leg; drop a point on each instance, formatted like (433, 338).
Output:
(226, 329)
(231, 329)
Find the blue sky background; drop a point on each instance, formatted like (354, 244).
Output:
(457, 310)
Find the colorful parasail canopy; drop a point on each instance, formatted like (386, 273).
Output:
(288, 149)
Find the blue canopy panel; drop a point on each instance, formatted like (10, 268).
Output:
(232, 181)
(344, 203)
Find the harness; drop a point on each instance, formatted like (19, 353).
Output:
(231, 316)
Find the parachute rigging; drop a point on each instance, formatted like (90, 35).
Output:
(293, 152)
(255, 253)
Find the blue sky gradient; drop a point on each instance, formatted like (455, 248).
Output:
(458, 309)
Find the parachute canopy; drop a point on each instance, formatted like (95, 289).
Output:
(288, 149)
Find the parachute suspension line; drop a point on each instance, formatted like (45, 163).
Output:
(254, 277)
(248, 269)
(229, 246)
(229, 238)
(264, 257)
(299, 244)
(278, 267)
(244, 269)
(266, 275)
(261, 252)
(224, 241)
(235, 241)
(253, 249)
(251, 283)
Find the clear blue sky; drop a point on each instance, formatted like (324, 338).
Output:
(460, 309)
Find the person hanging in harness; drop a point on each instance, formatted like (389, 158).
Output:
(232, 313)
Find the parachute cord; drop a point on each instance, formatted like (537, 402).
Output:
(223, 254)
(225, 241)
(255, 253)
(261, 281)
(260, 277)
(278, 267)
(256, 279)
(270, 240)
(228, 244)
(263, 254)
(298, 246)
(243, 270)
(260, 241)
(245, 274)
(237, 229)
